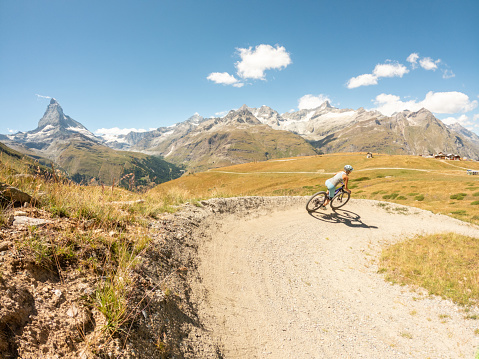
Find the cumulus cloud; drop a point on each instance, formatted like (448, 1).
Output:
(437, 102)
(254, 62)
(224, 78)
(463, 120)
(311, 101)
(389, 69)
(412, 59)
(429, 64)
(362, 80)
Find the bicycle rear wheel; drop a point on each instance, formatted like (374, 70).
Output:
(316, 201)
(340, 200)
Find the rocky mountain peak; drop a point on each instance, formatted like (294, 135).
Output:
(196, 118)
(325, 105)
(55, 117)
(241, 116)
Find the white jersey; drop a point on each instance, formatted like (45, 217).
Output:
(337, 178)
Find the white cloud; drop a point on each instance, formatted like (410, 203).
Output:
(447, 74)
(362, 80)
(448, 102)
(41, 96)
(221, 114)
(12, 131)
(224, 78)
(255, 62)
(429, 64)
(463, 120)
(310, 101)
(437, 102)
(413, 59)
(390, 70)
(381, 70)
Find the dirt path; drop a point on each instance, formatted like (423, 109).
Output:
(291, 285)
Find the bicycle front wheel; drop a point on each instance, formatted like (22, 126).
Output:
(316, 201)
(340, 200)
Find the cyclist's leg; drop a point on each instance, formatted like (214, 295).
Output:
(331, 189)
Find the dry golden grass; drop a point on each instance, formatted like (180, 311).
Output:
(444, 264)
(431, 181)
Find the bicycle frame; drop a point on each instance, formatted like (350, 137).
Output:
(340, 189)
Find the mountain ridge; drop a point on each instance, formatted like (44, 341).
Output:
(243, 135)
(330, 129)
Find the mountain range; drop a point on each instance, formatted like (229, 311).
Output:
(83, 157)
(243, 135)
(325, 129)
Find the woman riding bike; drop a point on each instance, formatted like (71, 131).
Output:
(340, 177)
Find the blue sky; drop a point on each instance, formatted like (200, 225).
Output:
(146, 64)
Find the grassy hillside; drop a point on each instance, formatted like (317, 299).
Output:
(233, 145)
(85, 160)
(439, 186)
(14, 162)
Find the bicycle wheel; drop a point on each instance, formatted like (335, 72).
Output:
(316, 201)
(340, 200)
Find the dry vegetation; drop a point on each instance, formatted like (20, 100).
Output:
(444, 264)
(410, 180)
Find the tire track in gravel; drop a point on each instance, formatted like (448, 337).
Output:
(292, 285)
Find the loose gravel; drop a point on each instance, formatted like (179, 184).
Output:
(276, 282)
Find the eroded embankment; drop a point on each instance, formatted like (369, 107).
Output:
(170, 324)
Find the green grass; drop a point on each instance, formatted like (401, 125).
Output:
(458, 196)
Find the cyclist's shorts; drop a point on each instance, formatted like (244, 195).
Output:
(331, 188)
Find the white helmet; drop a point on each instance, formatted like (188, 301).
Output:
(348, 168)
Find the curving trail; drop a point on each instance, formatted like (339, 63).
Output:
(292, 285)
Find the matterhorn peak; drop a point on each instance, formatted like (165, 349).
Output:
(55, 117)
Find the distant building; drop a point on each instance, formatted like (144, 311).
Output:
(472, 172)
(449, 156)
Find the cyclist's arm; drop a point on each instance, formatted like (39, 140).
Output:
(346, 180)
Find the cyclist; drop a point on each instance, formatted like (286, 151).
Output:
(341, 176)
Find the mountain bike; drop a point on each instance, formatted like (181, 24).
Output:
(341, 197)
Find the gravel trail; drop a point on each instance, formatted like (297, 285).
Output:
(287, 284)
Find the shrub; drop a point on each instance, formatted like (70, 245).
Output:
(458, 196)
(390, 196)
(419, 198)
(475, 203)
(361, 179)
